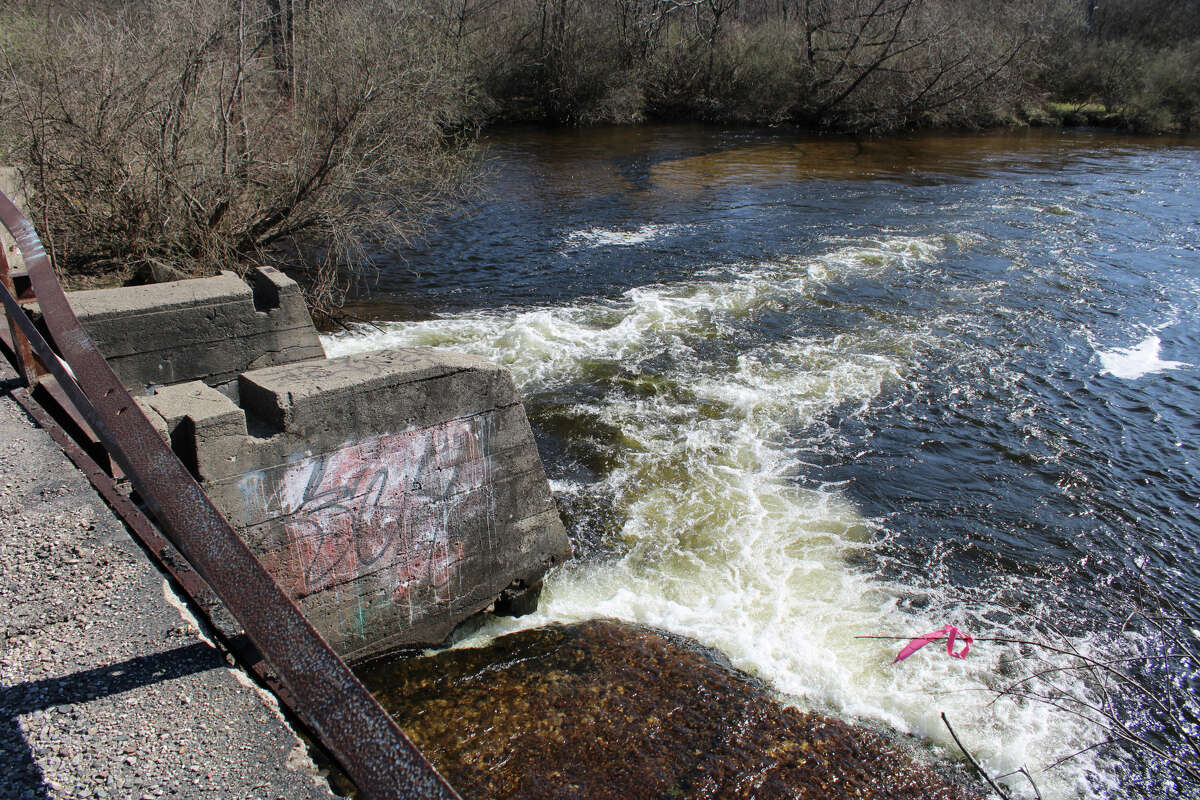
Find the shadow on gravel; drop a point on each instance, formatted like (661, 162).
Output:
(25, 778)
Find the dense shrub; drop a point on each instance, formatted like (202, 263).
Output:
(853, 65)
(209, 135)
(1169, 88)
(836, 64)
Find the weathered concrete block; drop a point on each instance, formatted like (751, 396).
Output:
(391, 494)
(205, 428)
(401, 493)
(425, 384)
(208, 329)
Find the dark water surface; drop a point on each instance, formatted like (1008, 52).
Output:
(796, 391)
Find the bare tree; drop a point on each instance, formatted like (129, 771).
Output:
(889, 63)
(213, 135)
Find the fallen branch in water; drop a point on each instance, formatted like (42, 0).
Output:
(1122, 695)
(978, 768)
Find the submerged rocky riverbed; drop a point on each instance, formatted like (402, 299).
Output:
(604, 709)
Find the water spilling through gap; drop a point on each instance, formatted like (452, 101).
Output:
(794, 392)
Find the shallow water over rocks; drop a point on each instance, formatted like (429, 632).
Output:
(604, 709)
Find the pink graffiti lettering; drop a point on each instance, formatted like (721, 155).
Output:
(405, 509)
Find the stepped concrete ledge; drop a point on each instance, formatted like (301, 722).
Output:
(208, 329)
(392, 494)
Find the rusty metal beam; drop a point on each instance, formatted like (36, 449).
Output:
(372, 749)
(27, 366)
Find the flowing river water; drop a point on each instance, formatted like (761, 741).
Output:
(793, 392)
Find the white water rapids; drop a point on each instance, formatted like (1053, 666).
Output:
(718, 540)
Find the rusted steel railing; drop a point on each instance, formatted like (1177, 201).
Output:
(323, 691)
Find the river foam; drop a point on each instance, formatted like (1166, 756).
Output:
(606, 237)
(1131, 363)
(717, 535)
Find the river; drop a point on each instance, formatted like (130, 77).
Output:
(793, 392)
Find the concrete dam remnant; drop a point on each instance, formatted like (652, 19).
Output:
(207, 329)
(391, 494)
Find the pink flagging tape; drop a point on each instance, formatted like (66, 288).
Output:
(949, 631)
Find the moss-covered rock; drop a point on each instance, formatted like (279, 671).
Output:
(603, 709)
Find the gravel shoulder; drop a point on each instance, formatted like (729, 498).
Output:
(107, 689)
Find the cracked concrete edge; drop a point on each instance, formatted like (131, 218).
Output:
(171, 598)
(299, 758)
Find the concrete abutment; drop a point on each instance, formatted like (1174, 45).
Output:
(391, 494)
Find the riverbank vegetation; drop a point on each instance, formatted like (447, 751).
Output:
(857, 66)
(168, 136)
(163, 134)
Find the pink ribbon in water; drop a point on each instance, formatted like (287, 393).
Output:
(950, 631)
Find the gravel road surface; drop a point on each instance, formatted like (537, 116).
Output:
(106, 688)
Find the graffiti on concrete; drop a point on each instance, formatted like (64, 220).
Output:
(402, 511)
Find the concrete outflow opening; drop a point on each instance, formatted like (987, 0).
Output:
(391, 494)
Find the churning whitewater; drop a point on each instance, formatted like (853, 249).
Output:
(700, 419)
